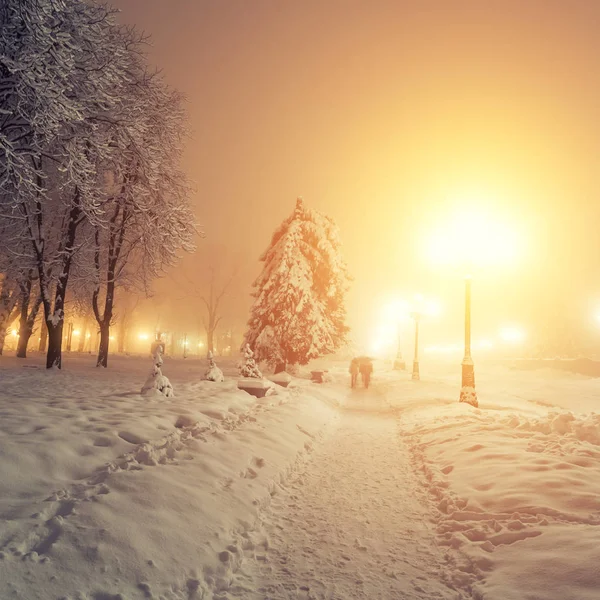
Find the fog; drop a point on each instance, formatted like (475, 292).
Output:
(390, 117)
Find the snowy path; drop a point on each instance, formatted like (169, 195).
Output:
(348, 526)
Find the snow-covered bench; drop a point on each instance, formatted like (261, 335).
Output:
(318, 376)
(257, 387)
(283, 379)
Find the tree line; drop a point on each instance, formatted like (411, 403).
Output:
(92, 196)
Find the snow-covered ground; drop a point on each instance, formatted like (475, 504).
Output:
(314, 492)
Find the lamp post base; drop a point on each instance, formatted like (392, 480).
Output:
(415, 371)
(467, 391)
(399, 365)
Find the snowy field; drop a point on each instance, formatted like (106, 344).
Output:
(314, 492)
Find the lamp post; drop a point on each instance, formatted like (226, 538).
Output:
(467, 390)
(399, 364)
(415, 371)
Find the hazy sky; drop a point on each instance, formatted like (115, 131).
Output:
(386, 116)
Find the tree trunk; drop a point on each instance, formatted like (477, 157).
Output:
(43, 336)
(24, 335)
(8, 302)
(27, 321)
(26, 329)
(55, 334)
(2, 339)
(210, 341)
(104, 342)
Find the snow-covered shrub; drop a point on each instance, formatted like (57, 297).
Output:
(213, 373)
(249, 368)
(157, 383)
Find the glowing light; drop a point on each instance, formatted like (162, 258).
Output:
(443, 349)
(76, 332)
(111, 338)
(427, 307)
(512, 335)
(483, 344)
(15, 333)
(88, 335)
(200, 344)
(473, 237)
(143, 336)
(395, 311)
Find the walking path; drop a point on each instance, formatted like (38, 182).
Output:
(355, 523)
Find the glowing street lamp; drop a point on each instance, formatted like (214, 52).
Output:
(422, 308)
(415, 370)
(398, 312)
(471, 239)
(512, 335)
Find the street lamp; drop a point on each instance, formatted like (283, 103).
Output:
(473, 239)
(399, 364)
(422, 308)
(415, 370)
(467, 387)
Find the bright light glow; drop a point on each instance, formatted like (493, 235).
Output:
(111, 338)
(143, 336)
(76, 332)
(444, 349)
(474, 238)
(427, 307)
(200, 344)
(185, 343)
(394, 314)
(395, 311)
(88, 335)
(15, 333)
(483, 345)
(512, 335)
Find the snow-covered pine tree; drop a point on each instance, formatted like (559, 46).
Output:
(213, 373)
(157, 382)
(299, 311)
(249, 368)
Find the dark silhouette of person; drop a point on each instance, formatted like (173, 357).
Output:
(353, 372)
(366, 368)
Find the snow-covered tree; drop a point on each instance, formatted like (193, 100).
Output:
(157, 383)
(149, 218)
(249, 368)
(77, 106)
(298, 312)
(62, 65)
(213, 373)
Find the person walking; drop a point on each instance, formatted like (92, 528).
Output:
(353, 373)
(366, 368)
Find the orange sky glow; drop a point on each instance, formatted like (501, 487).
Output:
(391, 117)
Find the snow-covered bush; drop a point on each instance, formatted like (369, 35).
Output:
(249, 368)
(298, 312)
(157, 383)
(213, 373)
